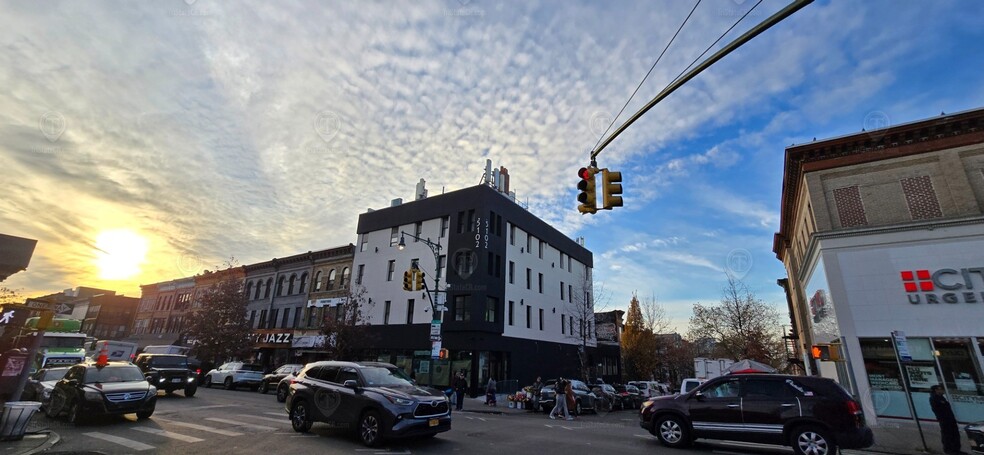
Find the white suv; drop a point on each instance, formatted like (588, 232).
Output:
(233, 374)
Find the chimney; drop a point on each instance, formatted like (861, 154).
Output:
(396, 202)
(421, 192)
(504, 176)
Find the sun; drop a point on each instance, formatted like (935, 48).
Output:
(119, 253)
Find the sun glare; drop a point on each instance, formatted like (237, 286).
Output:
(119, 254)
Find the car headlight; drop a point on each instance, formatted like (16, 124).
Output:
(162, 379)
(400, 401)
(152, 390)
(92, 395)
(46, 393)
(647, 403)
(191, 379)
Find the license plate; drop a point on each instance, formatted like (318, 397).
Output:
(433, 422)
(176, 380)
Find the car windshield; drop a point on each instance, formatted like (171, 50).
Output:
(169, 362)
(124, 373)
(54, 374)
(385, 377)
(607, 388)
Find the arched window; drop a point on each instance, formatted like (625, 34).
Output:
(345, 278)
(290, 285)
(249, 289)
(303, 286)
(266, 291)
(259, 285)
(331, 280)
(317, 281)
(280, 286)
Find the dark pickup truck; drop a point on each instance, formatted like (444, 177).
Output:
(168, 372)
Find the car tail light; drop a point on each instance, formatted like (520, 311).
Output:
(198, 371)
(294, 381)
(853, 407)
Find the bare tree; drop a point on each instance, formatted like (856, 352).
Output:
(743, 326)
(584, 301)
(346, 328)
(8, 295)
(221, 330)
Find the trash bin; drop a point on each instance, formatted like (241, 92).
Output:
(16, 415)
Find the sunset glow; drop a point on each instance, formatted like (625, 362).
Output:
(119, 253)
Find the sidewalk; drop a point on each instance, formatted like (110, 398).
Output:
(478, 405)
(37, 439)
(901, 437)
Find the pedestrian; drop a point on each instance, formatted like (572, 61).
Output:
(460, 385)
(949, 432)
(490, 392)
(561, 404)
(571, 402)
(537, 385)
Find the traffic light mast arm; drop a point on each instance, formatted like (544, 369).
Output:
(436, 249)
(746, 37)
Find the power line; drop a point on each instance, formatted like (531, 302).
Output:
(648, 73)
(719, 39)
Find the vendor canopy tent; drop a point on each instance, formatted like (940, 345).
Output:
(750, 366)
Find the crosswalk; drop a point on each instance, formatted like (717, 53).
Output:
(142, 437)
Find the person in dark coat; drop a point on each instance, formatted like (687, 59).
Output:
(460, 385)
(948, 422)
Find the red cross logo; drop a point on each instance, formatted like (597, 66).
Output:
(910, 278)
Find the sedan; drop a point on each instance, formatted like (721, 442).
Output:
(109, 388)
(277, 375)
(583, 398)
(41, 383)
(630, 395)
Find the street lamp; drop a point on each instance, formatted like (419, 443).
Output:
(436, 249)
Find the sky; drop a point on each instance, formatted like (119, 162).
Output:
(145, 141)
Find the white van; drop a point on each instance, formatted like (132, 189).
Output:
(115, 350)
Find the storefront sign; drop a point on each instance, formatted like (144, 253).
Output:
(274, 339)
(922, 377)
(308, 341)
(926, 286)
(436, 349)
(332, 302)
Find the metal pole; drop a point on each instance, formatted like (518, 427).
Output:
(908, 396)
(32, 352)
(746, 37)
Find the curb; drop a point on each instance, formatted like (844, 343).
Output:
(52, 439)
(480, 412)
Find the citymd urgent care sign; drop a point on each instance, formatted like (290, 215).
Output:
(947, 285)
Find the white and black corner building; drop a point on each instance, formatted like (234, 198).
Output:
(513, 288)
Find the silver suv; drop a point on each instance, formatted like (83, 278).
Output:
(377, 400)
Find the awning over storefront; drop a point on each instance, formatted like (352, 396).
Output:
(309, 341)
(318, 303)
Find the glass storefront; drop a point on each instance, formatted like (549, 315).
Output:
(951, 362)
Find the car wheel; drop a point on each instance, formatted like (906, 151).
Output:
(282, 394)
(74, 414)
(263, 387)
(810, 440)
(208, 382)
(672, 432)
(144, 415)
(228, 384)
(370, 429)
(300, 419)
(577, 408)
(190, 391)
(54, 407)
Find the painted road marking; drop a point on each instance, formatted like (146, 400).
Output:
(240, 424)
(169, 434)
(121, 441)
(200, 427)
(282, 419)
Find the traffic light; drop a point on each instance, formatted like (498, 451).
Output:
(588, 195)
(408, 280)
(443, 354)
(825, 352)
(419, 281)
(611, 183)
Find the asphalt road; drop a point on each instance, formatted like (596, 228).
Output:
(243, 422)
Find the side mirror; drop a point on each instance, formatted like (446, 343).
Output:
(699, 396)
(352, 384)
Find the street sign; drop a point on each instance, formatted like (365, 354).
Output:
(435, 349)
(436, 329)
(442, 308)
(902, 346)
(435, 338)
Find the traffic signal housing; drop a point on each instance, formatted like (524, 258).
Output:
(408, 280)
(588, 196)
(418, 282)
(611, 183)
(825, 352)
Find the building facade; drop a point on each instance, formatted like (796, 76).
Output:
(516, 291)
(110, 317)
(164, 313)
(882, 238)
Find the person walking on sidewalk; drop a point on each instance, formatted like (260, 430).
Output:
(561, 401)
(490, 393)
(536, 393)
(460, 385)
(949, 432)
(571, 401)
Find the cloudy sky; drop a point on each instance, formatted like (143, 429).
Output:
(142, 141)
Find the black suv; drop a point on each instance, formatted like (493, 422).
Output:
(168, 372)
(813, 415)
(90, 389)
(375, 399)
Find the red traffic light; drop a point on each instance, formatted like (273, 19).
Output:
(585, 173)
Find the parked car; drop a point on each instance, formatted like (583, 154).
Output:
(814, 415)
(583, 398)
(235, 374)
(375, 399)
(275, 376)
(630, 396)
(650, 389)
(41, 383)
(91, 389)
(689, 384)
(168, 372)
(975, 434)
(607, 398)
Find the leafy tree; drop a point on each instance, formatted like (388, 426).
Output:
(743, 326)
(638, 344)
(220, 329)
(346, 327)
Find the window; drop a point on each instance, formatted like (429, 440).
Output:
(297, 316)
(529, 244)
(273, 317)
(461, 312)
(541, 318)
(541, 249)
(418, 230)
(390, 268)
(766, 389)
(570, 325)
(358, 275)
(512, 308)
(266, 289)
(512, 234)
(471, 221)
(569, 269)
(280, 286)
(540, 275)
(490, 308)
(561, 290)
(386, 312)
(409, 311)
(726, 389)
(317, 281)
(249, 288)
(444, 226)
(290, 285)
(394, 236)
(563, 330)
(330, 283)
(512, 272)
(303, 287)
(365, 242)
(345, 278)
(498, 266)
(570, 294)
(442, 263)
(347, 374)
(561, 260)
(529, 279)
(491, 263)
(529, 317)
(286, 319)
(461, 222)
